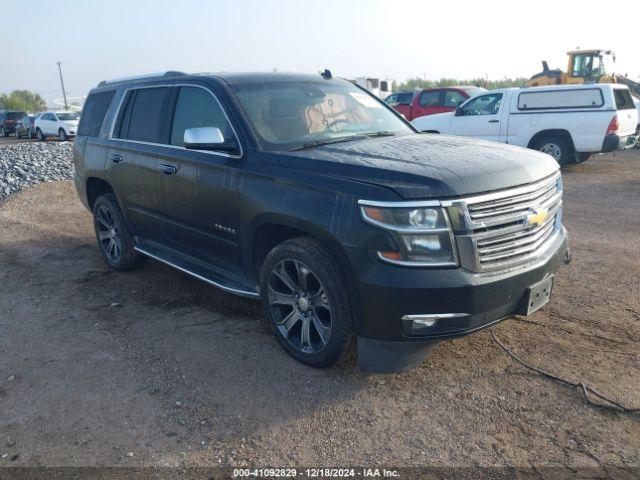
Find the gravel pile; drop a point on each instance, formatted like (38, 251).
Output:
(25, 164)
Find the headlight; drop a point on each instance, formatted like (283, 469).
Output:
(423, 233)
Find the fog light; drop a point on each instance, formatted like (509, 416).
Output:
(422, 324)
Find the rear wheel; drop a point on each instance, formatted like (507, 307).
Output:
(40, 135)
(583, 157)
(555, 146)
(305, 299)
(114, 238)
(2, 132)
(18, 134)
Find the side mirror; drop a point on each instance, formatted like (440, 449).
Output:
(203, 138)
(458, 111)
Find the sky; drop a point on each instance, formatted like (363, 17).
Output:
(399, 39)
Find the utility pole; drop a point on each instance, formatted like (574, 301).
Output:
(64, 93)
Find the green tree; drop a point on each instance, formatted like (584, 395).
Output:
(22, 100)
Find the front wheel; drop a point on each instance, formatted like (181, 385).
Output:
(18, 134)
(2, 132)
(114, 238)
(41, 137)
(62, 135)
(555, 146)
(304, 297)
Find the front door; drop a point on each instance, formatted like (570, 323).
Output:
(196, 188)
(429, 102)
(47, 123)
(479, 118)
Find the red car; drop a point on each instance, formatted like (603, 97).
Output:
(436, 100)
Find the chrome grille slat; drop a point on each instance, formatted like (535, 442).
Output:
(510, 244)
(497, 233)
(521, 205)
(500, 229)
(520, 214)
(517, 251)
(508, 201)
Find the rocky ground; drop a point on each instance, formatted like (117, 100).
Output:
(27, 163)
(153, 368)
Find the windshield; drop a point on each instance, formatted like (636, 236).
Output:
(65, 117)
(290, 114)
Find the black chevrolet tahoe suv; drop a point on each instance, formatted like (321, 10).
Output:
(317, 198)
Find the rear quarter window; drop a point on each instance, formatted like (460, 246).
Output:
(623, 99)
(93, 113)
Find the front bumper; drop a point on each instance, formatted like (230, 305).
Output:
(388, 293)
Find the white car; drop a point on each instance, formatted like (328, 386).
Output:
(569, 122)
(59, 124)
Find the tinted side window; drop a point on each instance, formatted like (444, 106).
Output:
(145, 119)
(196, 107)
(453, 99)
(483, 105)
(405, 98)
(430, 99)
(623, 99)
(93, 112)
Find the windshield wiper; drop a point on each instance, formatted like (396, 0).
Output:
(381, 133)
(320, 143)
(360, 136)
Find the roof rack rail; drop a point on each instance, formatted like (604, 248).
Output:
(170, 73)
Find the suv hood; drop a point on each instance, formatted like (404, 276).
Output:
(420, 166)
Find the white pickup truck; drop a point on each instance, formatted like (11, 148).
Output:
(569, 122)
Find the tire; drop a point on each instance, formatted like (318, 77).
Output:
(40, 136)
(30, 134)
(62, 135)
(308, 309)
(18, 134)
(113, 236)
(583, 157)
(2, 133)
(556, 146)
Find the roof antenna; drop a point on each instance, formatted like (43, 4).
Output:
(326, 74)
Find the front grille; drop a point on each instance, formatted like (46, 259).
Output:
(513, 226)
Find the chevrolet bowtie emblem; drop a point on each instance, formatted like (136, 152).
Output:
(538, 216)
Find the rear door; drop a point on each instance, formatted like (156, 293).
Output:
(627, 112)
(196, 188)
(480, 117)
(131, 160)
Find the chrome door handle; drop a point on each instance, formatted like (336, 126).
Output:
(167, 169)
(494, 121)
(115, 158)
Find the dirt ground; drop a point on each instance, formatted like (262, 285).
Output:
(154, 368)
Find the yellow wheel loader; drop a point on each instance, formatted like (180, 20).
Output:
(585, 66)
